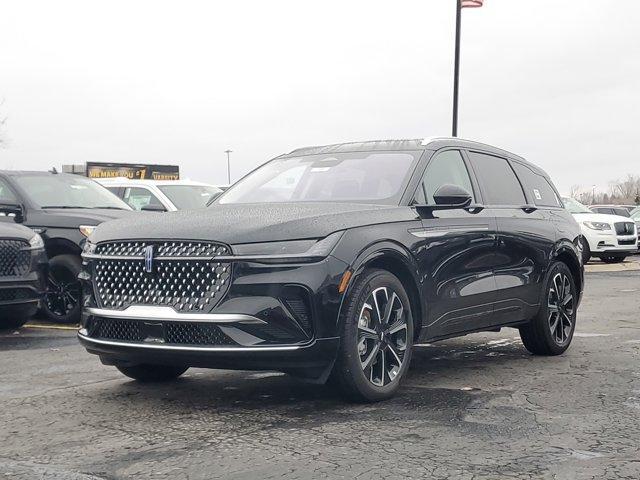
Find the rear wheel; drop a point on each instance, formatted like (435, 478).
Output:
(376, 338)
(152, 373)
(551, 330)
(586, 251)
(610, 259)
(61, 303)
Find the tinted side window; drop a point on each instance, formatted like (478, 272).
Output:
(445, 168)
(500, 184)
(6, 194)
(115, 190)
(537, 186)
(623, 212)
(138, 198)
(608, 211)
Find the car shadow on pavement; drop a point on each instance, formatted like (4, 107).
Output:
(442, 382)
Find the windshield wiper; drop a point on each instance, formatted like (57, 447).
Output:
(85, 208)
(63, 206)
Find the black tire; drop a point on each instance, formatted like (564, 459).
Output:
(586, 251)
(364, 372)
(12, 323)
(609, 259)
(539, 336)
(61, 303)
(15, 316)
(152, 373)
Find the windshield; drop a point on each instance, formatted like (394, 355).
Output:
(68, 191)
(186, 197)
(574, 206)
(362, 177)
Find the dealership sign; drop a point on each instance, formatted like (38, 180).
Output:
(133, 171)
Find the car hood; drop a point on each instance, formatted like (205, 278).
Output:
(74, 217)
(9, 229)
(250, 223)
(600, 217)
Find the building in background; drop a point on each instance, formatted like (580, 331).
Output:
(133, 171)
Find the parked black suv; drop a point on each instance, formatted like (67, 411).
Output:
(23, 265)
(335, 261)
(63, 209)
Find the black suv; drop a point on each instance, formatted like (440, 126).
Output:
(23, 265)
(335, 261)
(63, 209)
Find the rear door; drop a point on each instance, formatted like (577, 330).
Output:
(457, 253)
(526, 235)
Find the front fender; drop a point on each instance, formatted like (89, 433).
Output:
(395, 257)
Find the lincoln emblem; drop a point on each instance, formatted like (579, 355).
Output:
(148, 258)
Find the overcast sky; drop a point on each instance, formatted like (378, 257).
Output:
(180, 82)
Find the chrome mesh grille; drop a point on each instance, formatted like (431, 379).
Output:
(14, 262)
(171, 333)
(625, 228)
(186, 285)
(10, 294)
(162, 249)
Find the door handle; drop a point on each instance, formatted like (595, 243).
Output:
(475, 208)
(528, 208)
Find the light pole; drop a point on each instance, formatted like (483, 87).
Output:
(228, 166)
(593, 195)
(460, 4)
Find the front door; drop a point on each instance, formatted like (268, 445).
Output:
(458, 253)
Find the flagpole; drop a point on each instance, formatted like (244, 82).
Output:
(456, 70)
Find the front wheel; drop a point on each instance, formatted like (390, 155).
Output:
(376, 338)
(61, 303)
(152, 373)
(551, 330)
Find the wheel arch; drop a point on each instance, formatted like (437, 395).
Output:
(567, 253)
(395, 259)
(59, 246)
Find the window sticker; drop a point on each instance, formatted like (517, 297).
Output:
(536, 192)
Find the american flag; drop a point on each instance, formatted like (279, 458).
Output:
(471, 3)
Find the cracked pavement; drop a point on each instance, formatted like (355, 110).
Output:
(477, 407)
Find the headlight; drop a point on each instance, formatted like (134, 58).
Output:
(36, 243)
(597, 225)
(87, 230)
(293, 250)
(89, 248)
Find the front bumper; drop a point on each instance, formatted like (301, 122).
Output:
(26, 290)
(310, 360)
(609, 243)
(273, 317)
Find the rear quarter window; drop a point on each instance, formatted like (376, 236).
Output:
(538, 187)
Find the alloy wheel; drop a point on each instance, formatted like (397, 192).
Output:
(382, 336)
(561, 308)
(63, 293)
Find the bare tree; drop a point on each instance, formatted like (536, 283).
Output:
(575, 191)
(625, 191)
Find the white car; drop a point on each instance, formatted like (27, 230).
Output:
(612, 238)
(161, 195)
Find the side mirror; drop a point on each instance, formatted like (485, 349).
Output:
(452, 196)
(153, 208)
(447, 197)
(13, 210)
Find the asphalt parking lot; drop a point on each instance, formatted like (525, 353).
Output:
(478, 407)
